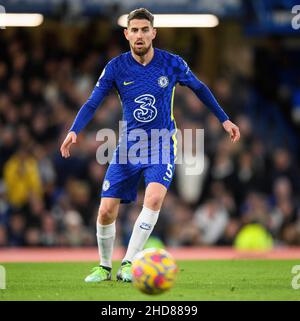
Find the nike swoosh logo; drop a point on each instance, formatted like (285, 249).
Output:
(126, 83)
(145, 226)
(165, 179)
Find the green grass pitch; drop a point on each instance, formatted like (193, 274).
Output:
(197, 281)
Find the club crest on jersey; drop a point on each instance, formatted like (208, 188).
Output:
(163, 81)
(146, 111)
(106, 185)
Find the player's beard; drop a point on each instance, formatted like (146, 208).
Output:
(141, 51)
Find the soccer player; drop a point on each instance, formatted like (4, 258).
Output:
(145, 79)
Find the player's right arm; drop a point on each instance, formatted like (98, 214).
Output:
(87, 111)
(65, 146)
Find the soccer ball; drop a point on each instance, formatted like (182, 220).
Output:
(153, 271)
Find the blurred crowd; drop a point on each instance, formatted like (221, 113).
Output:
(46, 200)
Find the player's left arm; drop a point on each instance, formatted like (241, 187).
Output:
(187, 78)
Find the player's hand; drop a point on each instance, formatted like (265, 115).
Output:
(65, 147)
(232, 130)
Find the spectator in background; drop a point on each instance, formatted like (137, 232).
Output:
(22, 178)
(3, 236)
(33, 236)
(211, 220)
(7, 144)
(5, 207)
(75, 233)
(284, 165)
(49, 231)
(181, 231)
(16, 230)
(255, 209)
(284, 215)
(204, 227)
(224, 197)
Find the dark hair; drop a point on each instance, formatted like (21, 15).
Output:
(140, 13)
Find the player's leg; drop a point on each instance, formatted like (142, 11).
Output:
(145, 222)
(143, 227)
(106, 229)
(106, 232)
(119, 185)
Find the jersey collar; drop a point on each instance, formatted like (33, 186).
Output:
(148, 64)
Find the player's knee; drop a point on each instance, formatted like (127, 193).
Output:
(105, 215)
(153, 201)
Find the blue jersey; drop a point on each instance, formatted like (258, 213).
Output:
(146, 92)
